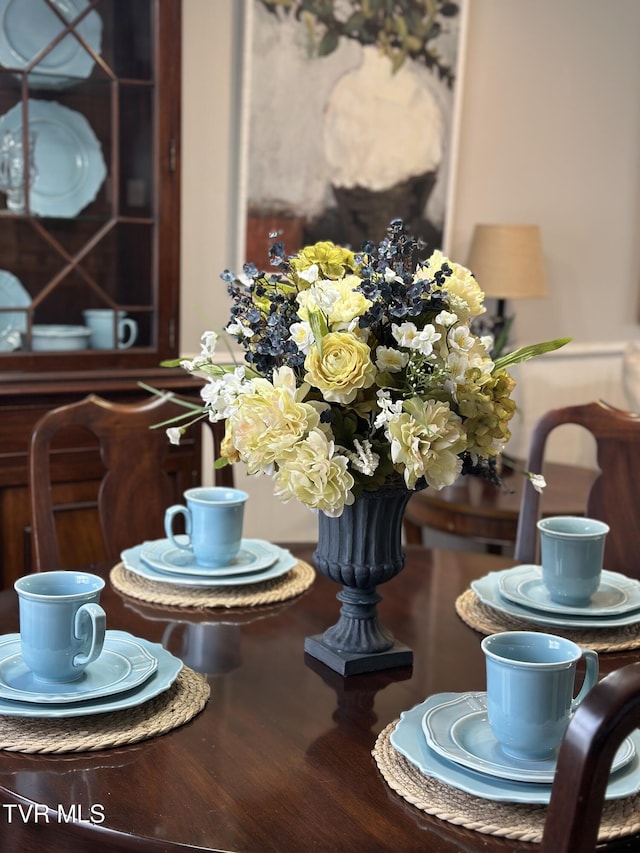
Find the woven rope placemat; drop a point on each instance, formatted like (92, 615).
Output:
(186, 697)
(287, 586)
(510, 820)
(485, 619)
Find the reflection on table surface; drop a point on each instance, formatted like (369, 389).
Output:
(280, 759)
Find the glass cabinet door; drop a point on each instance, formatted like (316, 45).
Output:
(89, 184)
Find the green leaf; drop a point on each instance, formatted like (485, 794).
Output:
(319, 327)
(328, 43)
(525, 353)
(415, 408)
(187, 404)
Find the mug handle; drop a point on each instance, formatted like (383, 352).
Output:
(95, 617)
(131, 328)
(590, 676)
(170, 514)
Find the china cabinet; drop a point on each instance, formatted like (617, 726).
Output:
(89, 222)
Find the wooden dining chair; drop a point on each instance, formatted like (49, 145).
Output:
(137, 480)
(610, 712)
(614, 496)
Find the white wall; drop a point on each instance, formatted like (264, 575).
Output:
(211, 203)
(549, 134)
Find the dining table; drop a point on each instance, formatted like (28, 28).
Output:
(281, 756)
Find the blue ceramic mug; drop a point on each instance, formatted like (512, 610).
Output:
(62, 626)
(530, 686)
(213, 516)
(572, 551)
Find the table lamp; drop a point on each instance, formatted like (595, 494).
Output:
(507, 263)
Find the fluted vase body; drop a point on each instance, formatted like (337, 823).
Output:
(362, 549)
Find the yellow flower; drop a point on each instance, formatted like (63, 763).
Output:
(312, 473)
(426, 439)
(464, 294)
(333, 261)
(487, 414)
(227, 448)
(269, 419)
(350, 304)
(340, 367)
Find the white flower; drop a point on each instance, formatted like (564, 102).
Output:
(208, 343)
(245, 279)
(363, 459)
(446, 319)
(389, 275)
(461, 338)
(537, 481)
(310, 274)
(487, 342)
(302, 335)
(174, 434)
(408, 335)
(238, 330)
(391, 360)
(220, 394)
(320, 296)
(388, 409)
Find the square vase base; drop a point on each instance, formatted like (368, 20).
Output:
(353, 663)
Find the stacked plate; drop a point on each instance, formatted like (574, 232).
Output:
(520, 592)
(160, 560)
(128, 672)
(448, 738)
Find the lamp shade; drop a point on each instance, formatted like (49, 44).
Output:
(507, 262)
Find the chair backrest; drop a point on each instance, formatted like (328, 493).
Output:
(135, 488)
(610, 711)
(615, 493)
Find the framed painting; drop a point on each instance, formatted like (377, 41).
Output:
(349, 120)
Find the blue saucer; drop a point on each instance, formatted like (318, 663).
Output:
(167, 671)
(123, 664)
(408, 739)
(132, 559)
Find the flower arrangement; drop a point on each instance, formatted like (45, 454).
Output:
(400, 28)
(360, 370)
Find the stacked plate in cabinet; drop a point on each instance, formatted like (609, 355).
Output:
(69, 164)
(447, 737)
(520, 592)
(128, 672)
(159, 560)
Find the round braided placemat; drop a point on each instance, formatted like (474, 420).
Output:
(186, 697)
(523, 822)
(287, 586)
(485, 619)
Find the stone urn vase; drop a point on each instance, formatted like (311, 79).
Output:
(361, 549)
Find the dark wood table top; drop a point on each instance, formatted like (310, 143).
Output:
(280, 759)
(475, 508)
